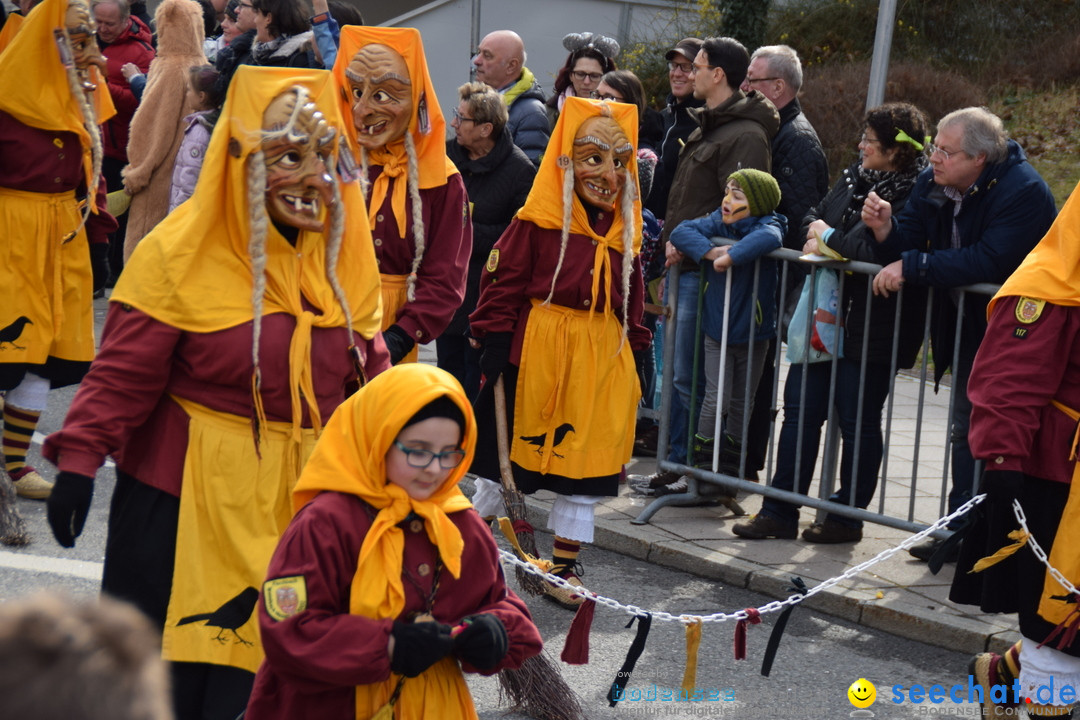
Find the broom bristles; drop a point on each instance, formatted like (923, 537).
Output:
(516, 510)
(538, 690)
(12, 527)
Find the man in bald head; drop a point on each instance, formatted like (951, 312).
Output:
(500, 62)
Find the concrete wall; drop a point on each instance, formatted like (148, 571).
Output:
(446, 27)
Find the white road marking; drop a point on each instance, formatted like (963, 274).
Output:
(56, 566)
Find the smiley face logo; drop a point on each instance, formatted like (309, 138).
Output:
(862, 693)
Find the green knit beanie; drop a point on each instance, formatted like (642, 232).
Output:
(762, 192)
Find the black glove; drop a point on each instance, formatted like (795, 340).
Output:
(640, 358)
(418, 646)
(99, 264)
(496, 354)
(398, 343)
(1002, 486)
(68, 506)
(483, 643)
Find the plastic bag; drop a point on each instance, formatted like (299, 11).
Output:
(826, 333)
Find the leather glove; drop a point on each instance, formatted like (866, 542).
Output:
(99, 264)
(418, 646)
(398, 343)
(68, 506)
(496, 355)
(639, 365)
(1002, 486)
(483, 643)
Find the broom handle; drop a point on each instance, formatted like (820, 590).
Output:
(502, 438)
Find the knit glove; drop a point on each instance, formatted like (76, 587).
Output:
(1002, 486)
(68, 506)
(418, 646)
(483, 642)
(496, 354)
(99, 264)
(398, 343)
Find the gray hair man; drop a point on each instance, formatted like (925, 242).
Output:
(972, 217)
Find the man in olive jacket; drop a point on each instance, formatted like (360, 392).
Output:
(734, 131)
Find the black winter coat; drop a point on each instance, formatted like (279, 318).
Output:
(800, 168)
(678, 124)
(854, 242)
(498, 184)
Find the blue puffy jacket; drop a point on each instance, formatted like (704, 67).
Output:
(755, 237)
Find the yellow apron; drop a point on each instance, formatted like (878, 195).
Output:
(577, 394)
(393, 299)
(44, 279)
(234, 507)
(1064, 554)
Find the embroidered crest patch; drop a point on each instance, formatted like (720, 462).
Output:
(493, 261)
(1028, 310)
(285, 597)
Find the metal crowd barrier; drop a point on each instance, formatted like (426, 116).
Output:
(829, 458)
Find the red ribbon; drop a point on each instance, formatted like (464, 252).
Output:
(754, 618)
(576, 649)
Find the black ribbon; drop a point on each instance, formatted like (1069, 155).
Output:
(622, 678)
(798, 587)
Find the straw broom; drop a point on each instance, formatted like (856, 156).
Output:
(538, 690)
(513, 500)
(12, 528)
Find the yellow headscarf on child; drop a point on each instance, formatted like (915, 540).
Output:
(544, 206)
(426, 126)
(350, 458)
(34, 85)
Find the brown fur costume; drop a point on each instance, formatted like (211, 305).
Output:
(157, 128)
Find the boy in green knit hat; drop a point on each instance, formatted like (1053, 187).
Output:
(747, 216)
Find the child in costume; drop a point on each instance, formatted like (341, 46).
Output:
(417, 204)
(560, 307)
(748, 216)
(387, 585)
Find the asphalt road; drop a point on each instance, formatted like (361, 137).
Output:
(819, 658)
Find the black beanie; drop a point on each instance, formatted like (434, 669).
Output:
(441, 406)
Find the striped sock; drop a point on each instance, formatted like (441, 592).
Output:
(564, 555)
(1009, 665)
(19, 428)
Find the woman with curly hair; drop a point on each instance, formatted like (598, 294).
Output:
(892, 154)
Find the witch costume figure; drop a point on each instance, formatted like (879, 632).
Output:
(561, 300)
(52, 208)
(417, 204)
(240, 324)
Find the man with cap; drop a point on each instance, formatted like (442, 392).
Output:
(677, 121)
(734, 132)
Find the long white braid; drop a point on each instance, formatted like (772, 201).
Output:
(333, 248)
(365, 184)
(260, 228)
(564, 238)
(629, 195)
(417, 217)
(96, 149)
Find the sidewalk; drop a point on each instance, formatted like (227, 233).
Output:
(898, 595)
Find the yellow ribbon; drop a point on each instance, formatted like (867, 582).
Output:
(1021, 538)
(693, 641)
(507, 529)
